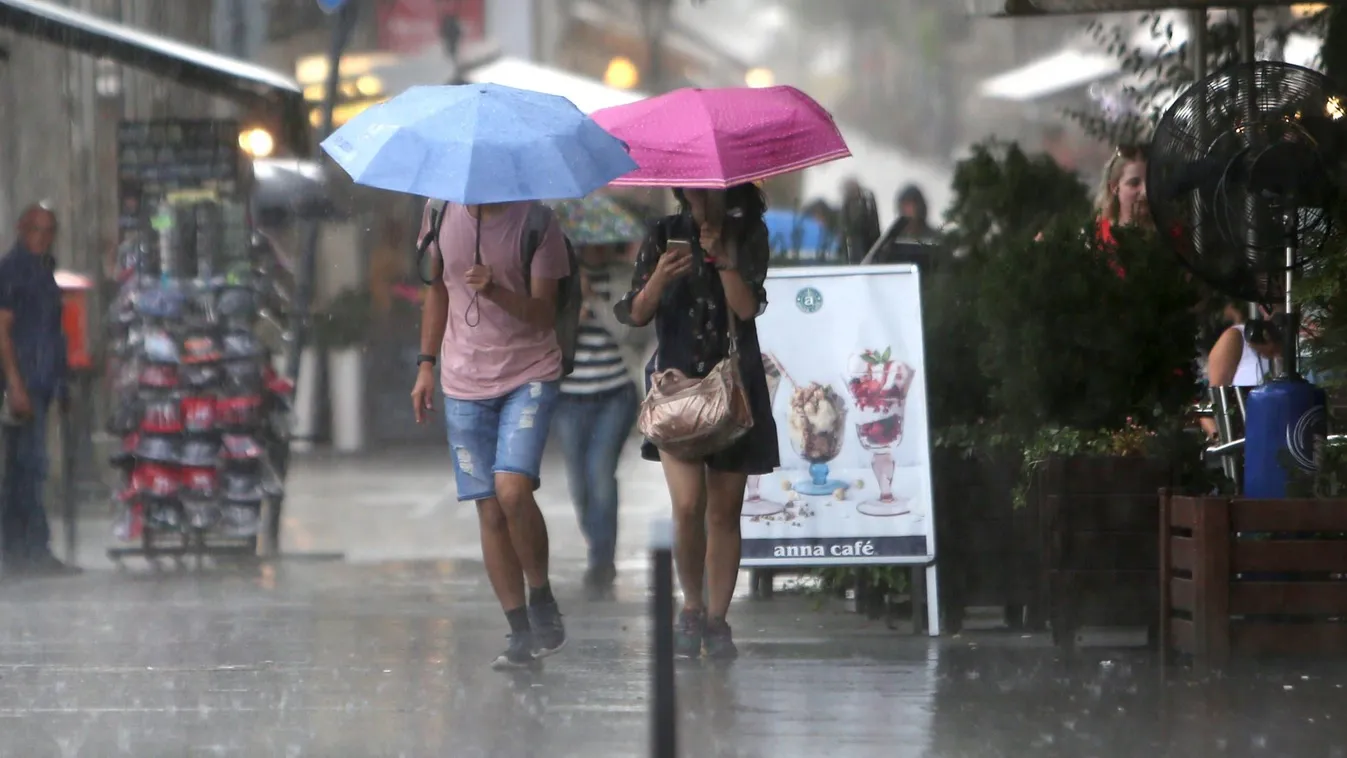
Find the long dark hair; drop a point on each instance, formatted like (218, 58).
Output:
(748, 199)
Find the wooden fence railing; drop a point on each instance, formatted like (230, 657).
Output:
(1252, 577)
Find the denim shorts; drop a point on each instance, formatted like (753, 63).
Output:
(503, 435)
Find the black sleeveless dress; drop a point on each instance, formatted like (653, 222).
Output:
(691, 326)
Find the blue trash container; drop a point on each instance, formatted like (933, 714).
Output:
(1288, 414)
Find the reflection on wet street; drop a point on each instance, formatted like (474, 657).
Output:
(385, 654)
(389, 660)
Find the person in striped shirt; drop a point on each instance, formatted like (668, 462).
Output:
(597, 409)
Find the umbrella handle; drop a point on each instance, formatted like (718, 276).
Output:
(467, 314)
(477, 259)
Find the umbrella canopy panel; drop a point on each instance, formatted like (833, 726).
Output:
(717, 138)
(478, 143)
(598, 220)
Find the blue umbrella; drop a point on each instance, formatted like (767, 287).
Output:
(803, 236)
(479, 143)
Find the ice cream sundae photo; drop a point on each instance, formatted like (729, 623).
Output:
(879, 384)
(817, 423)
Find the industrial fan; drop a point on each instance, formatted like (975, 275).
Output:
(1249, 162)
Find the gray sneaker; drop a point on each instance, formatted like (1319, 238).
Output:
(720, 641)
(549, 634)
(688, 634)
(518, 655)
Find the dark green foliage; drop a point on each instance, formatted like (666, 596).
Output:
(1039, 346)
(1070, 343)
(1329, 481)
(1319, 289)
(1162, 75)
(957, 391)
(1334, 53)
(1000, 194)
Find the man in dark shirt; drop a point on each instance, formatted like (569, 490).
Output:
(33, 359)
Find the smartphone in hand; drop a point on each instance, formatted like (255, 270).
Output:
(676, 261)
(678, 248)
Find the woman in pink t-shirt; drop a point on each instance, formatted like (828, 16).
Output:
(491, 324)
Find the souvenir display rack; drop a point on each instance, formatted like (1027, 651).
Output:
(201, 414)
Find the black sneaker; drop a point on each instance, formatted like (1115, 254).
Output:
(518, 655)
(720, 641)
(549, 634)
(688, 634)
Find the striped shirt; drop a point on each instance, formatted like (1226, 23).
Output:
(598, 359)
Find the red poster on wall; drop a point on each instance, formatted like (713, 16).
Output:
(411, 26)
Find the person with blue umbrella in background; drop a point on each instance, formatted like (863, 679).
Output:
(502, 302)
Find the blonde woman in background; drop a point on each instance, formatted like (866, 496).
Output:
(1121, 200)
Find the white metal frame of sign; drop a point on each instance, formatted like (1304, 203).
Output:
(844, 352)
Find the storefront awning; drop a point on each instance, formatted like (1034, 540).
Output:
(186, 64)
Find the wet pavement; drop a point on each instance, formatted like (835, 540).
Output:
(385, 654)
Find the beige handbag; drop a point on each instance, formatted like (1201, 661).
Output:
(692, 418)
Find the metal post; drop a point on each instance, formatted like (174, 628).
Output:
(1290, 348)
(342, 28)
(656, 20)
(341, 34)
(1247, 34)
(1247, 50)
(663, 701)
(1197, 48)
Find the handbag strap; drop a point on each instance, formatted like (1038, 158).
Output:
(733, 329)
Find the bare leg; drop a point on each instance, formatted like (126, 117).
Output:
(687, 489)
(725, 500)
(527, 530)
(498, 553)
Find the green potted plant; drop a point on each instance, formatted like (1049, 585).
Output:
(1094, 375)
(341, 330)
(989, 552)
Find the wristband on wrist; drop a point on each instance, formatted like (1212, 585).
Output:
(425, 358)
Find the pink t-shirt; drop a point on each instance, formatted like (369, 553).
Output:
(499, 353)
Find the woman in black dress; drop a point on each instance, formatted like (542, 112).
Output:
(688, 297)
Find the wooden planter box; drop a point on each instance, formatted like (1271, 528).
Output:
(1100, 532)
(1252, 577)
(988, 550)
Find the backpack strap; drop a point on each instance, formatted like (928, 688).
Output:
(535, 226)
(431, 236)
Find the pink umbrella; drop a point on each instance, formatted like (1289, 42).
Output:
(717, 138)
